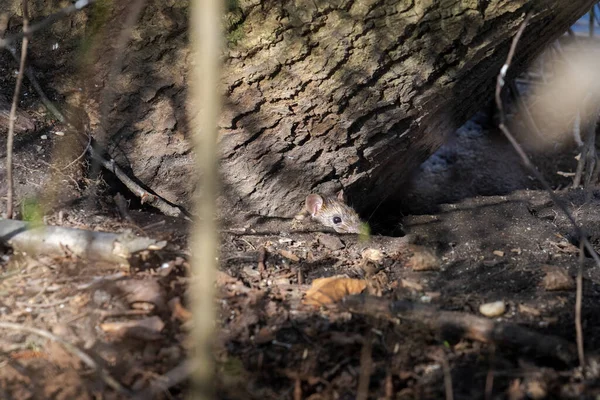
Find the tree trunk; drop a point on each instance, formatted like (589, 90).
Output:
(328, 94)
(319, 94)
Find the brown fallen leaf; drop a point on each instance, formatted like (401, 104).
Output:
(289, 255)
(332, 289)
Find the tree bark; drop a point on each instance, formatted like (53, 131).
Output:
(319, 94)
(322, 95)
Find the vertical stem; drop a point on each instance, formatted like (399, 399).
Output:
(13, 117)
(578, 300)
(204, 105)
(591, 27)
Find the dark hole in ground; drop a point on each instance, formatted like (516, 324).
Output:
(476, 161)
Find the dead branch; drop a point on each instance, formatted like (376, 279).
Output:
(466, 325)
(145, 196)
(58, 241)
(96, 153)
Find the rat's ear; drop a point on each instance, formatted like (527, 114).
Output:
(340, 196)
(313, 202)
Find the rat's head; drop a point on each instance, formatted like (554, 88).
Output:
(333, 212)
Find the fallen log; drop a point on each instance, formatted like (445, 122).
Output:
(60, 241)
(467, 326)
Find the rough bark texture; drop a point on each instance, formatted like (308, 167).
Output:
(354, 94)
(318, 94)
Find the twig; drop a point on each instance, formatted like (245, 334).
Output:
(578, 298)
(34, 82)
(86, 359)
(145, 196)
(13, 117)
(524, 159)
(78, 5)
(470, 326)
(591, 26)
(262, 255)
(489, 379)
(584, 242)
(151, 199)
(366, 367)
(440, 356)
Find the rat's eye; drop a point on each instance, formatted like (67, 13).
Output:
(337, 220)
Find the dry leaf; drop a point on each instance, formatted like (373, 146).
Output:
(330, 290)
(289, 255)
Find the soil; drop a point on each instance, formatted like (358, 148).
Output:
(272, 344)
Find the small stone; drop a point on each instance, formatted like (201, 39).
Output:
(331, 242)
(44, 137)
(373, 255)
(494, 309)
(498, 253)
(557, 279)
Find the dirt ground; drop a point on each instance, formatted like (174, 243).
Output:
(277, 339)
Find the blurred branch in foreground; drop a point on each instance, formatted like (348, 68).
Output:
(204, 104)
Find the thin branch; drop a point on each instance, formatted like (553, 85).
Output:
(145, 196)
(86, 359)
(366, 367)
(502, 75)
(524, 159)
(584, 242)
(151, 199)
(13, 117)
(34, 82)
(578, 299)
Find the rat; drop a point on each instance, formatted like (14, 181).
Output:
(333, 212)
